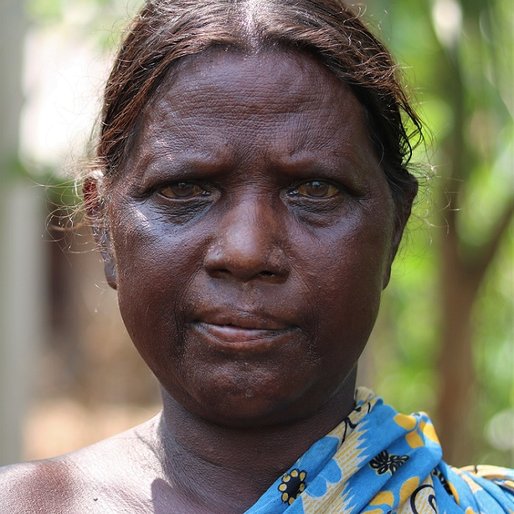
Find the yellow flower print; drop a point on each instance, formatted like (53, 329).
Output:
(292, 485)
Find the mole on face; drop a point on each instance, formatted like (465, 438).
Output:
(252, 233)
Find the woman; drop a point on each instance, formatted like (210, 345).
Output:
(250, 195)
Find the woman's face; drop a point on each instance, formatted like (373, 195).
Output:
(252, 235)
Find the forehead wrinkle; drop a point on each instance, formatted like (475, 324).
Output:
(206, 115)
(165, 133)
(211, 104)
(221, 74)
(308, 142)
(213, 96)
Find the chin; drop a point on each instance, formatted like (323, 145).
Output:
(251, 401)
(259, 402)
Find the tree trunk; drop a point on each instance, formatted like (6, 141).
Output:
(457, 293)
(21, 254)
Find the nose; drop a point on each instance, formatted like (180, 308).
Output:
(248, 244)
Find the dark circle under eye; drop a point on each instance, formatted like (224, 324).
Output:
(317, 189)
(182, 190)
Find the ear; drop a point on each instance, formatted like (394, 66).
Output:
(395, 243)
(403, 207)
(95, 210)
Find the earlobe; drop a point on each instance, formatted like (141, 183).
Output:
(95, 210)
(110, 271)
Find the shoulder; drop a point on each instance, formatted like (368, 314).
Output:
(44, 486)
(116, 470)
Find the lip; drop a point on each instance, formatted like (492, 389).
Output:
(242, 331)
(244, 320)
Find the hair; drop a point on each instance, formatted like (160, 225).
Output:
(166, 31)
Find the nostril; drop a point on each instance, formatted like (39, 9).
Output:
(220, 273)
(246, 258)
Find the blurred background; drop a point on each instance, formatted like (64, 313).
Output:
(444, 341)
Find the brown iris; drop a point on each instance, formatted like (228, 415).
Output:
(182, 190)
(316, 189)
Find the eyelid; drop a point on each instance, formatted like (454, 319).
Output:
(293, 191)
(202, 190)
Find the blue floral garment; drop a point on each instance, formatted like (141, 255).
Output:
(378, 461)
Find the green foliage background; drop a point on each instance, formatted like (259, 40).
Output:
(410, 323)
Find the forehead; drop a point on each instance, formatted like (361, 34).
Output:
(279, 100)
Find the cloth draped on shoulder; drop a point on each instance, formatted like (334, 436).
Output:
(378, 461)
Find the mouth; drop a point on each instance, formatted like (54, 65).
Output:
(243, 332)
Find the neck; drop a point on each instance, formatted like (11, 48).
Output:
(226, 469)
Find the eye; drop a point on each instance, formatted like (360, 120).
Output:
(315, 189)
(182, 190)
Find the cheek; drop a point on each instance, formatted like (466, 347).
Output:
(346, 261)
(147, 242)
(345, 278)
(155, 267)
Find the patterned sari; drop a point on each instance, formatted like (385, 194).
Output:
(378, 461)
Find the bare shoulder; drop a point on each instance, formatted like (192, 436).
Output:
(44, 486)
(115, 472)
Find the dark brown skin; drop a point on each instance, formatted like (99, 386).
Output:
(252, 233)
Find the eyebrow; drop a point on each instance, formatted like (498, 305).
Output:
(165, 165)
(337, 168)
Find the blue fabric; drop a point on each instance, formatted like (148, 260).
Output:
(378, 461)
